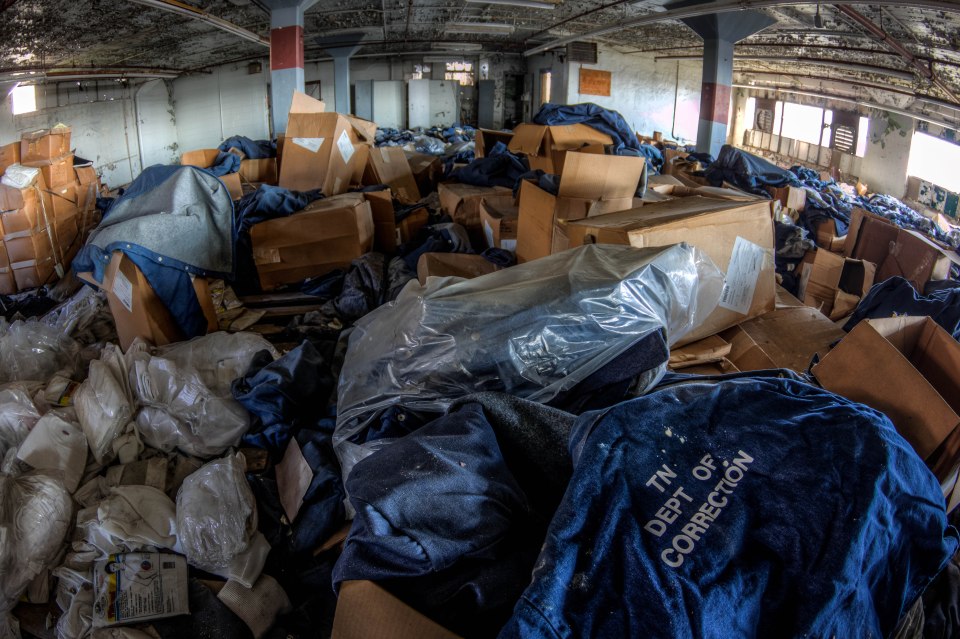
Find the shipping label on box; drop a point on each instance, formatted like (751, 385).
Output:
(138, 587)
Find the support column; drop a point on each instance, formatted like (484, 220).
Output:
(286, 56)
(341, 69)
(719, 33)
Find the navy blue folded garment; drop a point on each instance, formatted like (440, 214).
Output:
(266, 203)
(498, 168)
(747, 172)
(225, 163)
(603, 120)
(442, 523)
(252, 149)
(896, 296)
(744, 507)
(653, 155)
(438, 238)
(172, 222)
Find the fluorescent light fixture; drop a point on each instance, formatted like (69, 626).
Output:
(457, 46)
(480, 27)
(527, 4)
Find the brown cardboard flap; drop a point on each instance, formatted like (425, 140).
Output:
(367, 611)
(709, 349)
(303, 103)
(527, 139)
(486, 139)
(574, 136)
(452, 265)
(389, 166)
(200, 158)
(877, 364)
(595, 177)
(791, 336)
(535, 222)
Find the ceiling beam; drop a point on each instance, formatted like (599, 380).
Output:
(840, 64)
(173, 6)
(728, 6)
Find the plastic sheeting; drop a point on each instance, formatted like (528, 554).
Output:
(104, 403)
(533, 331)
(35, 514)
(34, 351)
(17, 416)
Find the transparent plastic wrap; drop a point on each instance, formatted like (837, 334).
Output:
(217, 515)
(56, 446)
(35, 515)
(35, 351)
(104, 403)
(181, 411)
(533, 330)
(429, 145)
(18, 176)
(17, 416)
(218, 358)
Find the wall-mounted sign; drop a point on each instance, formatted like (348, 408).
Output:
(594, 82)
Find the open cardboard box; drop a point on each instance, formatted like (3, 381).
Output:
(590, 185)
(486, 139)
(326, 235)
(462, 203)
(388, 165)
(388, 233)
(463, 265)
(834, 284)
(897, 251)
(909, 369)
(136, 309)
(321, 150)
(546, 147)
(792, 197)
(499, 215)
(204, 159)
(427, 170)
(737, 236)
(260, 171)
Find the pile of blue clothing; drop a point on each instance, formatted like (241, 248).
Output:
(251, 149)
(747, 172)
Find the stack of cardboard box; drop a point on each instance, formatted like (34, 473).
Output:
(44, 224)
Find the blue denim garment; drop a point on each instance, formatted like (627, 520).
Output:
(253, 149)
(603, 120)
(441, 522)
(745, 507)
(748, 172)
(896, 296)
(498, 168)
(225, 164)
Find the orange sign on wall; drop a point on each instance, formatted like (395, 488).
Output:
(593, 82)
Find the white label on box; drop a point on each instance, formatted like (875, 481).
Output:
(134, 587)
(123, 289)
(746, 262)
(310, 144)
(345, 146)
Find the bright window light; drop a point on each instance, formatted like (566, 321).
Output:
(935, 160)
(802, 122)
(24, 99)
(750, 112)
(862, 136)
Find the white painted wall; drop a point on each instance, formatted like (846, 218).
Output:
(652, 96)
(212, 107)
(156, 124)
(102, 119)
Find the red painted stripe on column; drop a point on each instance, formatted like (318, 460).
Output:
(286, 48)
(715, 102)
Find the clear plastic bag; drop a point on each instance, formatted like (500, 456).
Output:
(104, 403)
(55, 445)
(17, 416)
(218, 358)
(35, 515)
(429, 145)
(18, 176)
(533, 330)
(216, 514)
(35, 351)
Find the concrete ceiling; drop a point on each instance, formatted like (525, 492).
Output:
(844, 57)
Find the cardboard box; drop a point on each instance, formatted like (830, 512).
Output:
(897, 252)
(546, 147)
(34, 273)
(388, 165)
(909, 369)
(388, 233)
(737, 236)
(8, 285)
(486, 139)
(462, 203)
(499, 216)
(792, 197)
(427, 171)
(45, 144)
(204, 159)
(327, 235)
(9, 154)
(791, 336)
(462, 265)
(590, 185)
(66, 235)
(86, 174)
(57, 172)
(136, 309)
(262, 171)
(321, 150)
(834, 284)
(35, 246)
(367, 611)
(670, 156)
(63, 201)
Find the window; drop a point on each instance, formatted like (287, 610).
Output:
(862, 137)
(24, 99)
(461, 72)
(802, 122)
(545, 84)
(935, 160)
(419, 70)
(750, 112)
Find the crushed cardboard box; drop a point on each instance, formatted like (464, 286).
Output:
(546, 147)
(737, 236)
(499, 215)
(388, 165)
(427, 171)
(328, 234)
(204, 159)
(462, 203)
(388, 232)
(462, 265)
(834, 284)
